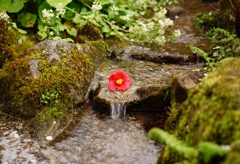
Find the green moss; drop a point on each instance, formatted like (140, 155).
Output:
(233, 157)
(12, 44)
(212, 111)
(53, 93)
(52, 113)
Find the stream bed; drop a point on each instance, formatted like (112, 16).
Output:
(98, 138)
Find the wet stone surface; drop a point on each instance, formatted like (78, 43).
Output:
(97, 139)
(151, 83)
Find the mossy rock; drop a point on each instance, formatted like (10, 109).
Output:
(51, 79)
(12, 43)
(212, 110)
(233, 157)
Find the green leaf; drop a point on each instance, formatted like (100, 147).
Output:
(27, 19)
(5, 4)
(111, 14)
(42, 34)
(12, 6)
(18, 29)
(106, 29)
(73, 6)
(55, 3)
(72, 32)
(68, 40)
(62, 27)
(104, 2)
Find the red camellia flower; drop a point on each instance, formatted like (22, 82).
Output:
(119, 81)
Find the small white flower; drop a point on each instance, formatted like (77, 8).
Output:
(96, 6)
(143, 27)
(161, 14)
(150, 25)
(114, 8)
(168, 22)
(48, 14)
(161, 22)
(177, 33)
(161, 31)
(60, 9)
(160, 40)
(126, 17)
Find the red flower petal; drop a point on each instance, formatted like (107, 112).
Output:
(119, 81)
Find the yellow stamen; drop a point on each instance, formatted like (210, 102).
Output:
(119, 81)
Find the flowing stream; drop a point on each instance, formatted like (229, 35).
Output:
(98, 138)
(118, 110)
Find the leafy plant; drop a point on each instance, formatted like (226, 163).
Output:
(173, 143)
(207, 21)
(50, 97)
(27, 19)
(139, 21)
(225, 46)
(209, 60)
(12, 6)
(208, 150)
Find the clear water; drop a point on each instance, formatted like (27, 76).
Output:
(118, 110)
(96, 139)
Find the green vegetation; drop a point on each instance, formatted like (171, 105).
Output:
(207, 119)
(225, 46)
(139, 21)
(13, 44)
(207, 21)
(188, 155)
(50, 92)
(209, 60)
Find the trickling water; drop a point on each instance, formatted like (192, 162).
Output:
(96, 139)
(118, 110)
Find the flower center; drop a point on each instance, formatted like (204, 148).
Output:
(119, 81)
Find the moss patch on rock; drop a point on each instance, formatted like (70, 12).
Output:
(12, 43)
(50, 83)
(212, 111)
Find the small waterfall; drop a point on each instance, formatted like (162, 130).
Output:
(118, 110)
